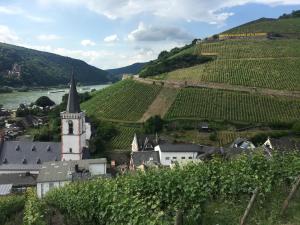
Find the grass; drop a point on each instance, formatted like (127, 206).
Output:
(199, 103)
(124, 101)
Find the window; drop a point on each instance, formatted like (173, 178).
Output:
(174, 157)
(182, 157)
(167, 158)
(190, 157)
(51, 185)
(70, 126)
(70, 150)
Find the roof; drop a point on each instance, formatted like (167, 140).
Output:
(18, 179)
(63, 170)
(20, 167)
(242, 143)
(5, 189)
(147, 142)
(73, 105)
(285, 143)
(138, 158)
(183, 148)
(28, 152)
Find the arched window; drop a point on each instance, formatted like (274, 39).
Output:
(70, 126)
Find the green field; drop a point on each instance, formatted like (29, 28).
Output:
(198, 103)
(124, 101)
(291, 25)
(124, 138)
(261, 63)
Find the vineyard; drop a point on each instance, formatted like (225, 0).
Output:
(124, 138)
(198, 190)
(126, 101)
(291, 25)
(264, 63)
(212, 104)
(266, 73)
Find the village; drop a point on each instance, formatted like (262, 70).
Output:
(46, 165)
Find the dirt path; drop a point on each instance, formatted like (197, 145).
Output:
(161, 104)
(222, 86)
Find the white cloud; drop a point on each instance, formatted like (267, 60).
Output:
(7, 35)
(212, 11)
(10, 10)
(48, 37)
(156, 33)
(38, 19)
(111, 39)
(87, 42)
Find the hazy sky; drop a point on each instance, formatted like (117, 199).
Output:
(114, 33)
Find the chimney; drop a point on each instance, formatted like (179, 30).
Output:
(113, 163)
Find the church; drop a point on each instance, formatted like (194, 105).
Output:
(28, 156)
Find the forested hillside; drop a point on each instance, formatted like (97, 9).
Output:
(44, 69)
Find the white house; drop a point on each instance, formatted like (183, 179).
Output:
(57, 174)
(171, 153)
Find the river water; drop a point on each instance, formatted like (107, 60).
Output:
(14, 99)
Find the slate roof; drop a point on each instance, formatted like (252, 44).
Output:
(5, 189)
(138, 158)
(28, 152)
(20, 167)
(18, 179)
(148, 142)
(242, 143)
(63, 170)
(285, 143)
(183, 148)
(73, 105)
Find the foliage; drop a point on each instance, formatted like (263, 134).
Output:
(164, 64)
(153, 196)
(10, 205)
(44, 69)
(153, 125)
(103, 133)
(197, 103)
(296, 127)
(34, 212)
(126, 100)
(44, 101)
(293, 14)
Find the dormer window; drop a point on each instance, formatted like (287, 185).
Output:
(38, 161)
(4, 161)
(24, 161)
(70, 123)
(18, 148)
(33, 148)
(48, 148)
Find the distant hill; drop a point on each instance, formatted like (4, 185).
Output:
(116, 74)
(44, 69)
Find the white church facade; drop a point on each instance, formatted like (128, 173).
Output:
(76, 132)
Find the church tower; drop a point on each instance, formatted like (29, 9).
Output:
(74, 139)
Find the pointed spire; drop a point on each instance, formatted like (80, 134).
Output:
(73, 99)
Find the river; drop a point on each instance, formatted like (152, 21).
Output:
(14, 99)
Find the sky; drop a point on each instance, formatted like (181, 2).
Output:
(115, 33)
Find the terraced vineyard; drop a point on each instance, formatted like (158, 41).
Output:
(124, 139)
(266, 64)
(291, 25)
(267, 73)
(197, 103)
(126, 101)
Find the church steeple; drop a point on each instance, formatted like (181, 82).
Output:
(73, 99)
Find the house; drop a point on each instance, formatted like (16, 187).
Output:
(171, 153)
(144, 142)
(282, 144)
(16, 182)
(27, 156)
(57, 174)
(144, 158)
(242, 143)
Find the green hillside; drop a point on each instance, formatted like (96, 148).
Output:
(125, 101)
(290, 25)
(200, 103)
(44, 69)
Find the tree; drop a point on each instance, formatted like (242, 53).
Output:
(296, 128)
(153, 124)
(44, 101)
